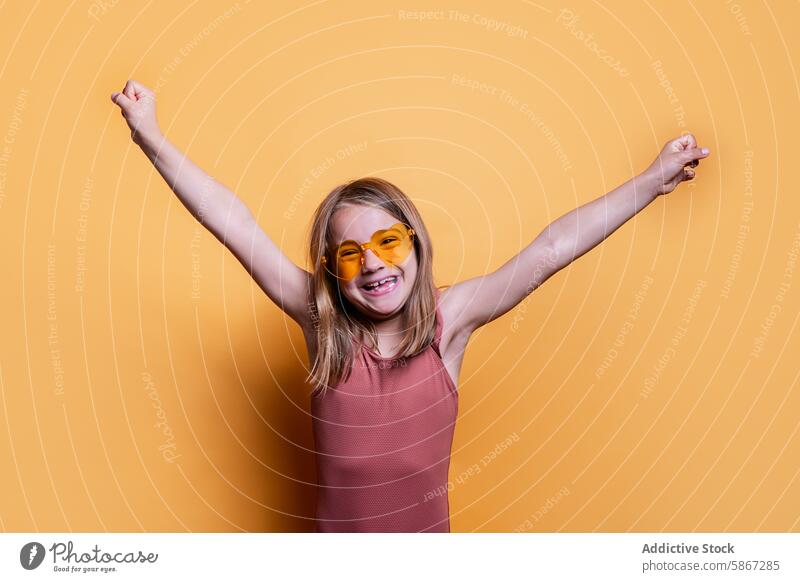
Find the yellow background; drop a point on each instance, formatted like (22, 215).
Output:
(650, 386)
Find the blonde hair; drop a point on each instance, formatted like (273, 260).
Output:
(337, 323)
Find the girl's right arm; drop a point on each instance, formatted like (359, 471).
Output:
(216, 207)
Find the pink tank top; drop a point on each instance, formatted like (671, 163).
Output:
(383, 439)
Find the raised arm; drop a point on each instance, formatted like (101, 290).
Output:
(217, 208)
(478, 301)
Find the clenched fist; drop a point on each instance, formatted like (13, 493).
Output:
(137, 104)
(676, 163)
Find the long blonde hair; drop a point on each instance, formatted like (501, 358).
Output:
(337, 323)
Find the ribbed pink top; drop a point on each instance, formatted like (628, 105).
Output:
(383, 439)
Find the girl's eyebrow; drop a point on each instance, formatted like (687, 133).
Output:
(384, 229)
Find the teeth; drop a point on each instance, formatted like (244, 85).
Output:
(378, 283)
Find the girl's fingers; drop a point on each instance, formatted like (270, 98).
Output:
(682, 143)
(128, 90)
(133, 89)
(139, 89)
(120, 99)
(131, 93)
(688, 141)
(694, 154)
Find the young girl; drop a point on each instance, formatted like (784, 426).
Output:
(385, 343)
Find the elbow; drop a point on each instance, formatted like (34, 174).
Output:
(551, 260)
(241, 216)
(553, 252)
(239, 223)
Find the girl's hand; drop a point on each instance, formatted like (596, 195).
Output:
(676, 163)
(138, 106)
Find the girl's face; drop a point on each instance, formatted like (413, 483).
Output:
(358, 223)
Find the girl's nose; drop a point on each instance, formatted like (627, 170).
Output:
(371, 260)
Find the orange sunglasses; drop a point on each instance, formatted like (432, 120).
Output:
(391, 245)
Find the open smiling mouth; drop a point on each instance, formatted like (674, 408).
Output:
(385, 285)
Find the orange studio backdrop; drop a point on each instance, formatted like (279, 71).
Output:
(147, 384)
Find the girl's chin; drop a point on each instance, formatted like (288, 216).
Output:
(382, 303)
(386, 304)
(382, 312)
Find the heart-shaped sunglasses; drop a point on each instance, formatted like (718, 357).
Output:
(391, 245)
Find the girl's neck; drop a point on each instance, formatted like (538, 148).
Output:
(388, 333)
(390, 326)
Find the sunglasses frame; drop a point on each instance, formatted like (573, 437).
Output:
(365, 246)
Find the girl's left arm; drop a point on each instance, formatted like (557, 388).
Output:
(478, 301)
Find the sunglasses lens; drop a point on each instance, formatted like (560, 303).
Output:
(348, 260)
(393, 244)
